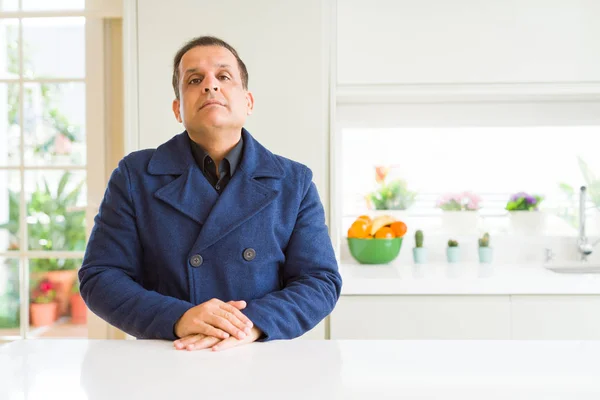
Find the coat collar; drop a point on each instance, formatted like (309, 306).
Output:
(192, 195)
(175, 158)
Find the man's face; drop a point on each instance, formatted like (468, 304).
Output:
(211, 94)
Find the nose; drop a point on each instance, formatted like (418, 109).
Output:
(211, 84)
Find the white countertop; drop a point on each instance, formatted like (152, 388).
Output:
(476, 279)
(301, 369)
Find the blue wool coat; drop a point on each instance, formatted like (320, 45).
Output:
(164, 241)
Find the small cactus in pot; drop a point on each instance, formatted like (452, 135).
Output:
(419, 252)
(453, 251)
(484, 250)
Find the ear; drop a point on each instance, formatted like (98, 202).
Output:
(250, 102)
(176, 111)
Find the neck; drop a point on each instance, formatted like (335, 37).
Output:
(217, 144)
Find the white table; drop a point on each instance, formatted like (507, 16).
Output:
(301, 369)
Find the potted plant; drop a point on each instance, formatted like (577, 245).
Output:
(43, 308)
(453, 251)
(419, 252)
(390, 194)
(56, 223)
(78, 307)
(525, 215)
(485, 251)
(459, 212)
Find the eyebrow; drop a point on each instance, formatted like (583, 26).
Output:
(194, 70)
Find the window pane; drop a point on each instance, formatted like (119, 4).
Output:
(9, 297)
(54, 124)
(9, 5)
(10, 130)
(493, 162)
(56, 308)
(56, 202)
(30, 5)
(9, 52)
(10, 193)
(54, 47)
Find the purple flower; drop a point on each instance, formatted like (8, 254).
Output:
(530, 199)
(517, 196)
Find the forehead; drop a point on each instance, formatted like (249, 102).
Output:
(207, 57)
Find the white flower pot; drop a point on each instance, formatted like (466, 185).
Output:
(528, 222)
(460, 222)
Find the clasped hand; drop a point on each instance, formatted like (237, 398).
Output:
(216, 325)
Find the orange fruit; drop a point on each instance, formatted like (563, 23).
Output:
(384, 233)
(399, 228)
(366, 218)
(359, 229)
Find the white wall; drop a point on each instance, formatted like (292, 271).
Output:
(467, 41)
(284, 47)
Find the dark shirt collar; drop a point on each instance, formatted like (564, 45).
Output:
(233, 157)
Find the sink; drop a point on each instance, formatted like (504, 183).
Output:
(573, 267)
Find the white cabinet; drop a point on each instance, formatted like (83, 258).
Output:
(421, 317)
(316, 333)
(414, 317)
(464, 41)
(555, 317)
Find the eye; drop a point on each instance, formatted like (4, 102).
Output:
(224, 77)
(194, 81)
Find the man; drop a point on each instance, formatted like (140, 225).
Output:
(210, 240)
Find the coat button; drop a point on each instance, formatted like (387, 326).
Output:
(249, 254)
(196, 260)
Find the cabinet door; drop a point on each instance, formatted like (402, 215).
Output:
(316, 333)
(555, 317)
(421, 317)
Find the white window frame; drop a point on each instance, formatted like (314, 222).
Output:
(95, 13)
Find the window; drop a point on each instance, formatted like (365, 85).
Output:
(490, 149)
(44, 161)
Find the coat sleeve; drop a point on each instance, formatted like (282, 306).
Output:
(311, 279)
(112, 270)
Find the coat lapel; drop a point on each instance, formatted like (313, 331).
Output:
(190, 193)
(246, 194)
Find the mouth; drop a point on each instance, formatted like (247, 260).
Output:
(211, 103)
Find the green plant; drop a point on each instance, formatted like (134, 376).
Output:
(452, 243)
(419, 238)
(485, 240)
(9, 300)
(569, 210)
(592, 182)
(524, 202)
(394, 195)
(54, 223)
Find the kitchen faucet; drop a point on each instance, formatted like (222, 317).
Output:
(584, 247)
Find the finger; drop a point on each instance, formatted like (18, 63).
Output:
(204, 343)
(238, 314)
(183, 342)
(234, 320)
(239, 304)
(226, 344)
(191, 341)
(223, 323)
(211, 330)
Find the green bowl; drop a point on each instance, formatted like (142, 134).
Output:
(374, 251)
